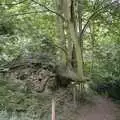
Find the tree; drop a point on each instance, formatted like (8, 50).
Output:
(64, 26)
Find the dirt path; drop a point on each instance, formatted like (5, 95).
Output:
(101, 109)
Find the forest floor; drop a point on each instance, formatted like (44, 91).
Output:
(101, 108)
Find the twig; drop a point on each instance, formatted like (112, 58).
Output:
(25, 13)
(42, 5)
(93, 15)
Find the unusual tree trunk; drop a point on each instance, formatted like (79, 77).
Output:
(70, 14)
(72, 35)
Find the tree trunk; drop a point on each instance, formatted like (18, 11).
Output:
(77, 51)
(74, 28)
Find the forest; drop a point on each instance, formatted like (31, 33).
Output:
(60, 59)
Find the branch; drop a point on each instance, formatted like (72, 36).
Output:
(64, 50)
(93, 15)
(52, 11)
(13, 3)
(4, 70)
(25, 13)
(61, 49)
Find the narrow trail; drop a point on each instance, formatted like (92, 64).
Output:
(101, 109)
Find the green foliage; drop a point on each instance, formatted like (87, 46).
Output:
(14, 98)
(25, 29)
(107, 79)
(4, 115)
